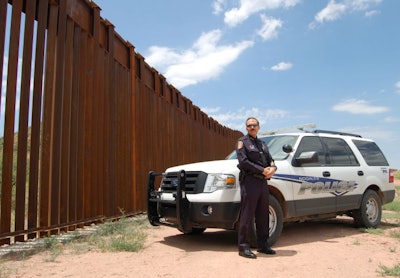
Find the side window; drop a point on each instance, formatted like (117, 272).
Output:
(372, 154)
(311, 144)
(339, 152)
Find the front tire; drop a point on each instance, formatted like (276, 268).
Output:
(370, 212)
(275, 220)
(275, 224)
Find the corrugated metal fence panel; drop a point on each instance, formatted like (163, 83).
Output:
(93, 119)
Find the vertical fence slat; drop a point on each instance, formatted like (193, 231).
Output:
(36, 117)
(73, 186)
(57, 113)
(47, 136)
(8, 147)
(81, 126)
(66, 126)
(101, 156)
(23, 119)
(89, 120)
(93, 139)
(132, 169)
(110, 87)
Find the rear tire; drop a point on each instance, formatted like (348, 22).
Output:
(370, 212)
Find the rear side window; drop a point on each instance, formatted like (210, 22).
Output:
(373, 156)
(339, 153)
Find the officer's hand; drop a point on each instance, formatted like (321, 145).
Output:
(269, 172)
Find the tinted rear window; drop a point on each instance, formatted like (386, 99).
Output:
(372, 154)
(339, 153)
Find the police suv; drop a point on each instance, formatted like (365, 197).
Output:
(321, 174)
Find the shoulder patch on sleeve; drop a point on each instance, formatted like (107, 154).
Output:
(239, 145)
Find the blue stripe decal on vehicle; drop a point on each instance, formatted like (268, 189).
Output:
(318, 185)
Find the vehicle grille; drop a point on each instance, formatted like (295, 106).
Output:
(195, 182)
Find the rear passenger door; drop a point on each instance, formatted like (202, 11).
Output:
(345, 173)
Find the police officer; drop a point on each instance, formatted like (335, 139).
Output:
(256, 166)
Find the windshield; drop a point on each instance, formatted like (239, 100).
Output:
(275, 144)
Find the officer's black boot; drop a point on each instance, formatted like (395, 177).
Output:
(264, 248)
(245, 251)
(267, 250)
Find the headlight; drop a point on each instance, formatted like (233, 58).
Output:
(219, 181)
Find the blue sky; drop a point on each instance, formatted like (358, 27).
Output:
(287, 62)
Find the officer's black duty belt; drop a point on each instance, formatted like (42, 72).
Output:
(258, 176)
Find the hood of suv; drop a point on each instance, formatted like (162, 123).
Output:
(215, 166)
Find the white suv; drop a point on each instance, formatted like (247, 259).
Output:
(321, 174)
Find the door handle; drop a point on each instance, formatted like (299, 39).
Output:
(360, 173)
(326, 174)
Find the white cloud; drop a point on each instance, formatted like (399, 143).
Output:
(236, 119)
(270, 27)
(203, 61)
(361, 5)
(331, 12)
(391, 119)
(211, 110)
(371, 13)
(397, 85)
(247, 8)
(162, 56)
(359, 106)
(373, 132)
(282, 66)
(218, 6)
(335, 10)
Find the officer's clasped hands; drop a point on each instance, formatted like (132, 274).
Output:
(269, 172)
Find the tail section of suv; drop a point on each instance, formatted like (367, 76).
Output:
(321, 174)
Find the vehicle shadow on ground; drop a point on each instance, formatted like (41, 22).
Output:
(292, 234)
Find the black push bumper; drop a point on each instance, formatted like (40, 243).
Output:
(181, 204)
(180, 213)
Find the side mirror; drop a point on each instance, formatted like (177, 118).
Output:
(306, 157)
(287, 148)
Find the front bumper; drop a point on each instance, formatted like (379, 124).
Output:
(185, 215)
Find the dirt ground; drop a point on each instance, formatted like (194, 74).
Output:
(313, 249)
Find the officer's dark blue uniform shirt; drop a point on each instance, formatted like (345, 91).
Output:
(250, 155)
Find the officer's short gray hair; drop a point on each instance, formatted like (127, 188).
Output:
(252, 118)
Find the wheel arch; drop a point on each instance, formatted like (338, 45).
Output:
(279, 196)
(377, 189)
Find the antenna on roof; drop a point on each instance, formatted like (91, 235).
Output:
(291, 128)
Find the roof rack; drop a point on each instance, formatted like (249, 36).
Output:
(285, 129)
(336, 132)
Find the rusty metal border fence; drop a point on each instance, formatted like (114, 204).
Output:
(92, 117)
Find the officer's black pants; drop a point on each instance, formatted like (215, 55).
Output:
(254, 205)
